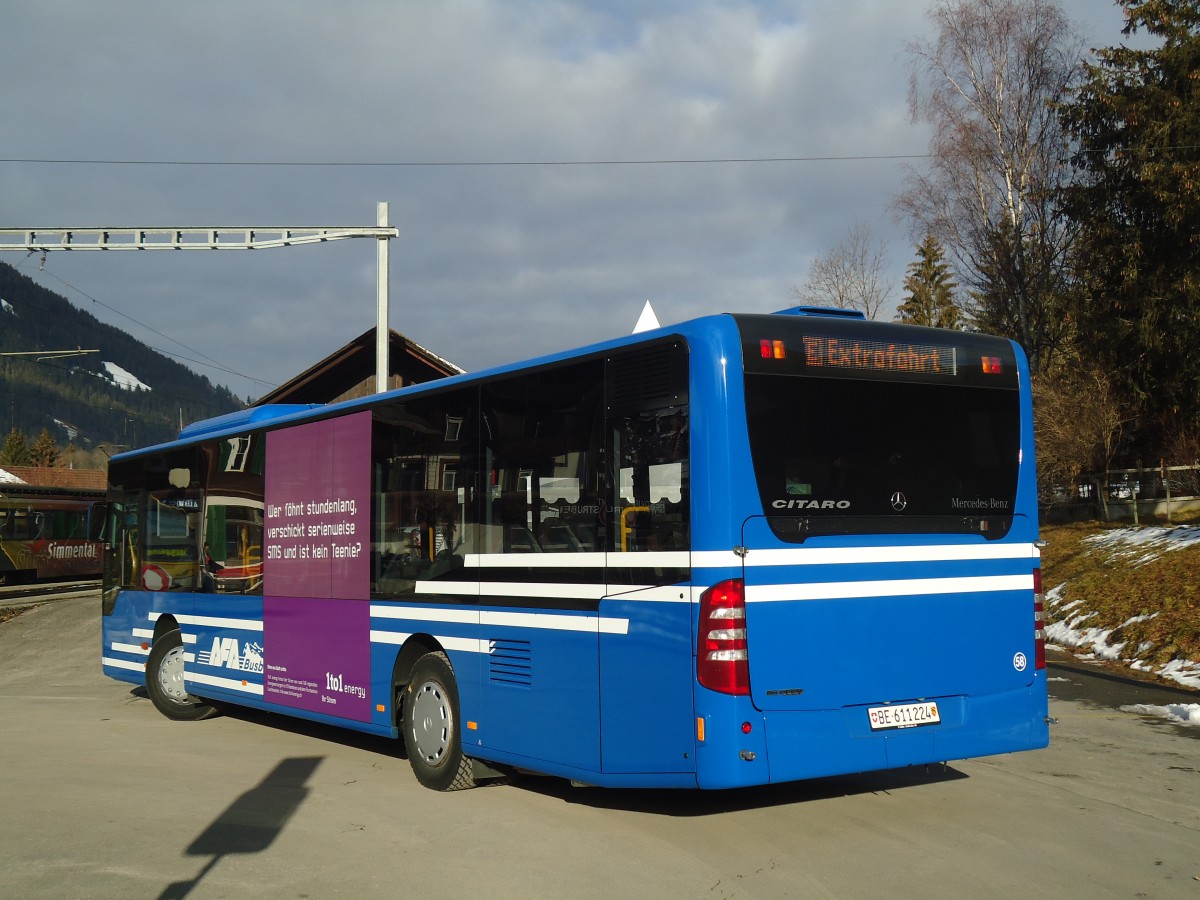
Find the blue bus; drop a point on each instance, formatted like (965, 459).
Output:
(742, 550)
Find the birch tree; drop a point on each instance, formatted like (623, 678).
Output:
(986, 84)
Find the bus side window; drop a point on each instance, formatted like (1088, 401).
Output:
(232, 527)
(120, 535)
(21, 524)
(99, 527)
(423, 462)
(648, 448)
(541, 439)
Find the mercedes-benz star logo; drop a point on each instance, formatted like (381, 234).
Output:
(899, 501)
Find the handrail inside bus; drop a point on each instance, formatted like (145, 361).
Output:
(627, 529)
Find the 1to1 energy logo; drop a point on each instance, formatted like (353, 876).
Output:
(226, 652)
(336, 684)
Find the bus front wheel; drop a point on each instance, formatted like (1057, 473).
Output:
(431, 730)
(164, 681)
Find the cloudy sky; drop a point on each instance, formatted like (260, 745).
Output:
(550, 165)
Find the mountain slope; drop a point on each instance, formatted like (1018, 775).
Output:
(127, 395)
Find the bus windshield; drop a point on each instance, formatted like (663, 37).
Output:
(874, 449)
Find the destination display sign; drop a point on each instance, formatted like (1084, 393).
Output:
(852, 353)
(875, 351)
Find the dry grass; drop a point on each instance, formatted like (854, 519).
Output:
(1117, 586)
(11, 612)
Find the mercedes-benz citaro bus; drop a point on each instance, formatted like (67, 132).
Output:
(742, 550)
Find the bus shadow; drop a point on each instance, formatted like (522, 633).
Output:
(692, 803)
(652, 801)
(345, 737)
(293, 725)
(252, 822)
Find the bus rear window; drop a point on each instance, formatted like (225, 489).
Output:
(849, 456)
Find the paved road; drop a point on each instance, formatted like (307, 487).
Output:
(101, 797)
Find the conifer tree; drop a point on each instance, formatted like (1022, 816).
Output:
(930, 289)
(15, 451)
(1136, 121)
(45, 452)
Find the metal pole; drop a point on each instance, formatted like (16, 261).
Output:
(1167, 487)
(382, 332)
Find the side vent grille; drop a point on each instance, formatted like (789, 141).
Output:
(645, 378)
(511, 662)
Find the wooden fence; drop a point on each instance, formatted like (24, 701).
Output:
(1125, 494)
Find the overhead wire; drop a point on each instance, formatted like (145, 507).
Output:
(215, 364)
(480, 163)
(211, 364)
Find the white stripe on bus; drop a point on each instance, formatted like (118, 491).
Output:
(650, 559)
(211, 621)
(821, 556)
(466, 645)
(129, 648)
(907, 587)
(423, 614)
(230, 684)
(123, 664)
(547, 621)
(543, 590)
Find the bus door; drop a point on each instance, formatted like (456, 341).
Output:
(647, 670)
(119, 533)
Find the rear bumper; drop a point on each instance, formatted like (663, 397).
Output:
(796, 745)
(804, 745)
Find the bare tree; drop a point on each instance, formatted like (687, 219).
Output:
(987, 85)
(850, 276)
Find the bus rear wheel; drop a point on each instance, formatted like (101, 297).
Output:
(431, 732)
(164, 681)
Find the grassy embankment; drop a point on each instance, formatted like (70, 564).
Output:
(1148, 596)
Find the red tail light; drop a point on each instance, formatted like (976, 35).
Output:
(1039, 622)
(772, 349)
(722, 662)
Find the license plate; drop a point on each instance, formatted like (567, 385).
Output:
(903, 715)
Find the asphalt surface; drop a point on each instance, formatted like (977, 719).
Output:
(101, 797)
(1107, 686)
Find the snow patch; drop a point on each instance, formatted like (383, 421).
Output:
(1141, 545)
(7, 307)
(1144, 545)
(123, 379)
(9, 478)
(1180, 713)
(1185, 671)
(71, 430)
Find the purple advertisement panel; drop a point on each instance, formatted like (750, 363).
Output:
(318, 655)
(318, 514)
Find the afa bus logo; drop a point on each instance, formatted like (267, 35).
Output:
(227, 653)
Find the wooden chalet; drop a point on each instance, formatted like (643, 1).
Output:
(349, 372)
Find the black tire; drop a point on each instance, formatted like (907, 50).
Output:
(164, 681)
(431, 728)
